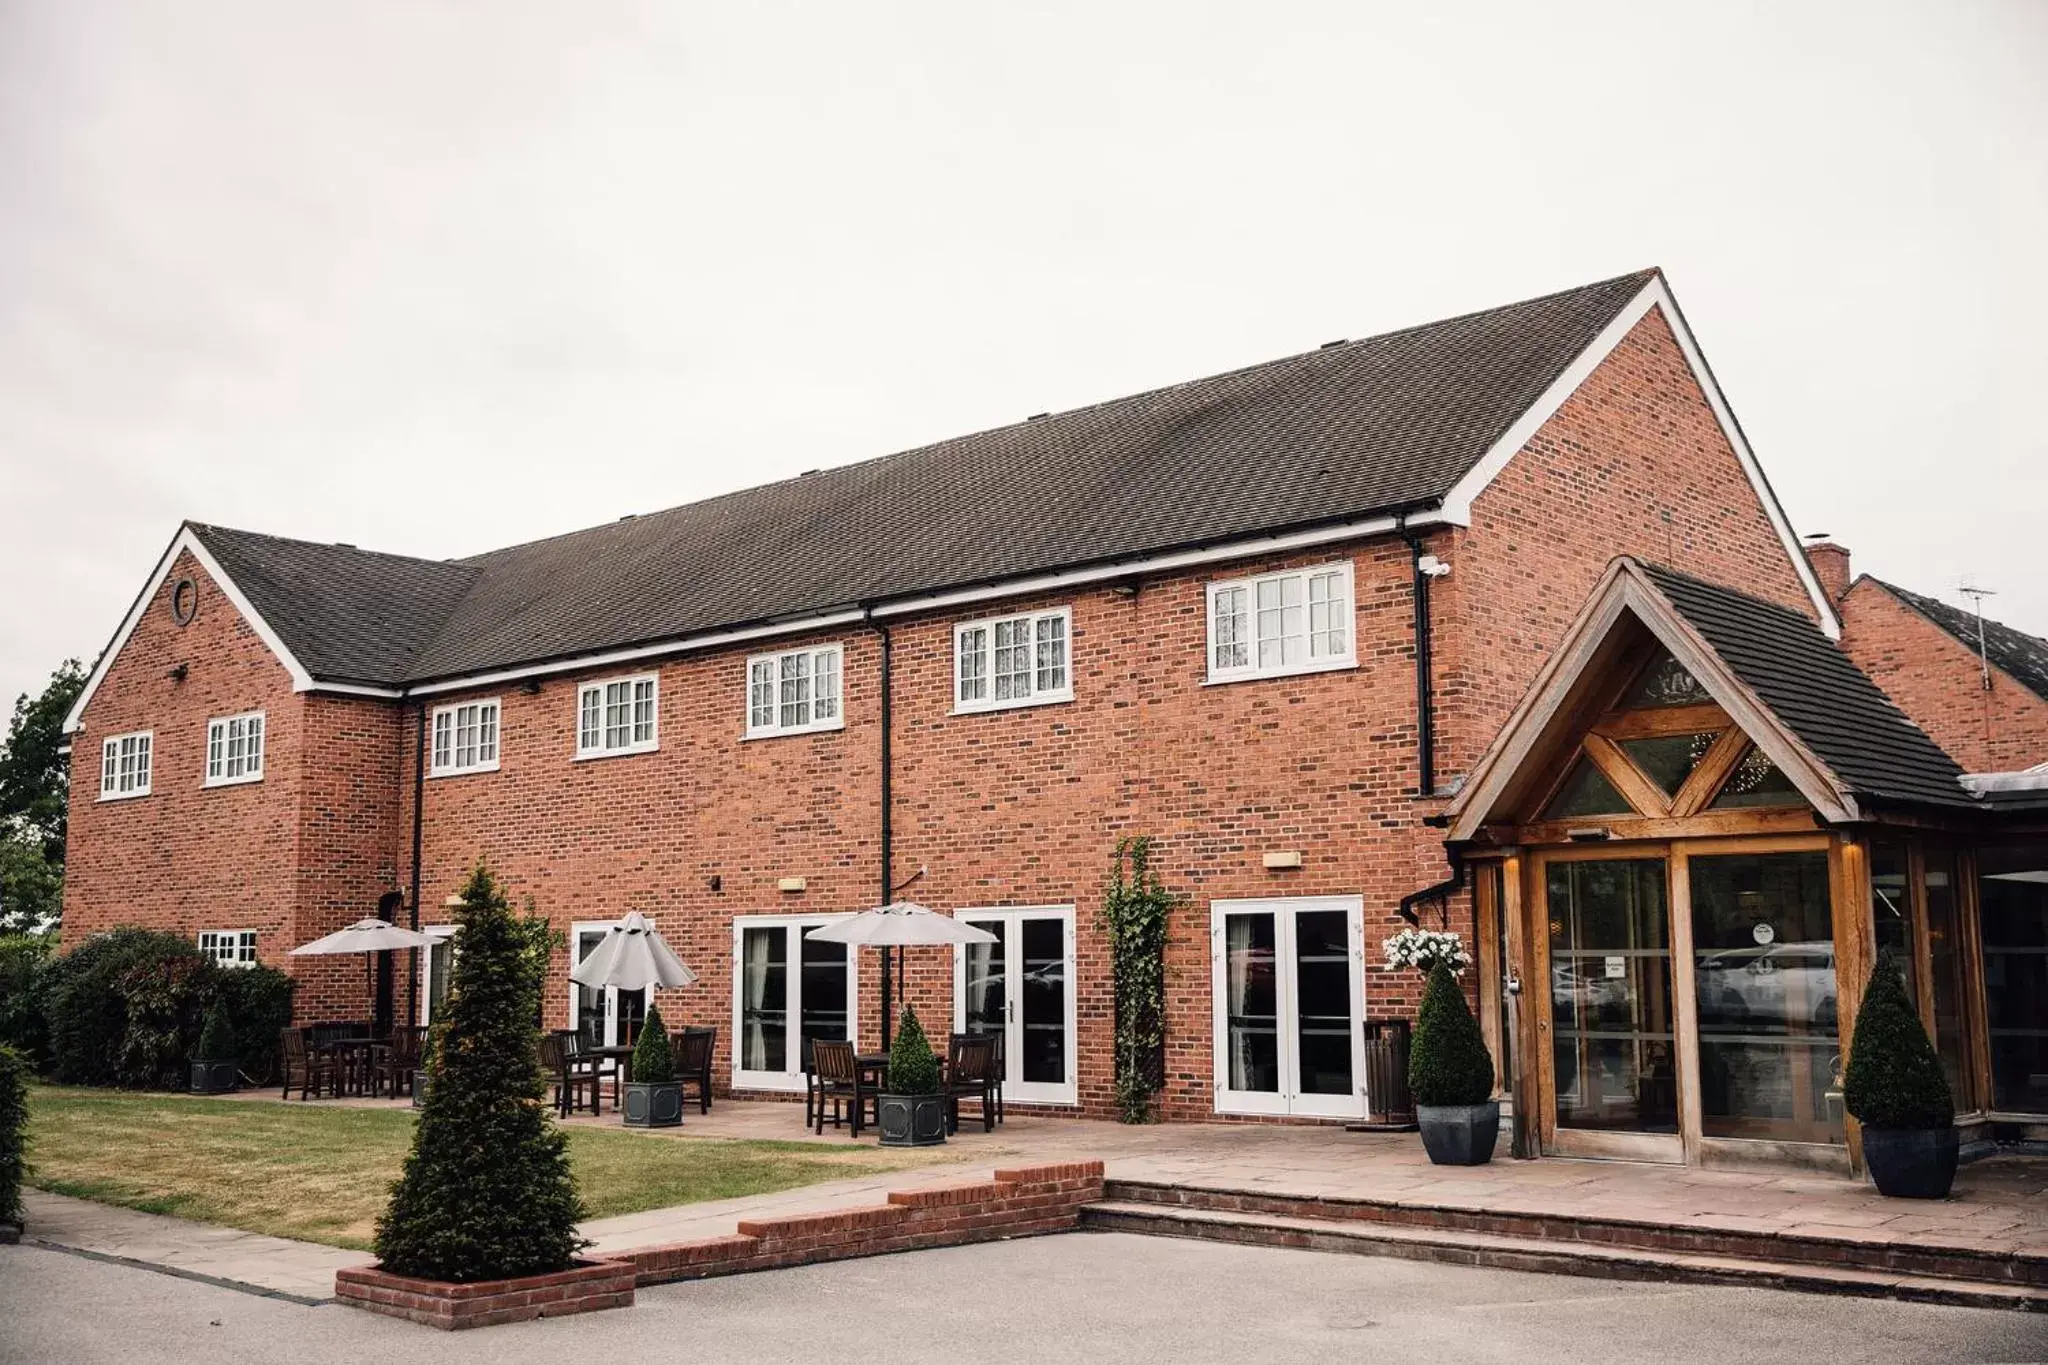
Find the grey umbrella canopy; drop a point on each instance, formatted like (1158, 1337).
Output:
(366, 936)
(902, 924)
(632, 957)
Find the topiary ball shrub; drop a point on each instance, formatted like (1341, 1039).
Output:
(1448, 1063)
(913, 1070)
(13, 1132)
(654, 1061)
(1894, 1078)
(487, 1192)
(217, 1038)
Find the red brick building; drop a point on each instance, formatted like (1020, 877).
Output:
(1268, 618)
(1983, 698)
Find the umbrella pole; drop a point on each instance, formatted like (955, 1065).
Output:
(885, 998)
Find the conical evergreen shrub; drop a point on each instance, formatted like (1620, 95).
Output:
(654, 1061)
(486, 1193)
(913, 1070)
(1894, 1078)
(1448, 1063)
(217, 1037)
(13, 1131)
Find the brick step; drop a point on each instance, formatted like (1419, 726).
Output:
(1496, 1251)
(1866, 1254)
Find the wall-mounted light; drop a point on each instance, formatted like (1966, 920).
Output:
(531, 687)
(1126, 588)
(1431, 566)
(715, 882)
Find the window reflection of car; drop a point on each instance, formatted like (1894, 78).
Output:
(1774, 987)
(1588, 984)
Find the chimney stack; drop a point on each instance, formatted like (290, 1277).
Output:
(1831, 565)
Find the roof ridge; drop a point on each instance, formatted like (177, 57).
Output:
(204, 527)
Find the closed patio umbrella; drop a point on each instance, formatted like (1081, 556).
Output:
(901, 924)
(632, 957)
(365, 936)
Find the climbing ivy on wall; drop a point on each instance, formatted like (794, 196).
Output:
(1135, 908)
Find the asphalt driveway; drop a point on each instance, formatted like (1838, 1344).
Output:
(1092, 1297)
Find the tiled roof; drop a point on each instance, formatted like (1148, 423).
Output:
(1355, 430)
(1817, 693)
(2022, 656)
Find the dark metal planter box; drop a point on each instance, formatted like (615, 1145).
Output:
(419, 1088)
(654, 1105)
(214, 1078)
(1911, 1163)
(1459, 1134)
(913, 1120)
(10, 1233)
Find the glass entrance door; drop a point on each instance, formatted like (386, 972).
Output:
(1020, 990)
(605, 1015)
(1613, 1018)
(1288, 1000)
(789, 990)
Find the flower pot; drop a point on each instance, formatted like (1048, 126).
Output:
(653, 1104)
(1459, 1134)
(913, 1120)
(1911, 1163)
(214, 1078)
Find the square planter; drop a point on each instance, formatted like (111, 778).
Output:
(419, 1088)
(10, 1233)
(656, 1104)
(913, 1120)
(583, 1288)
(1459, 1134)
(214, 1078)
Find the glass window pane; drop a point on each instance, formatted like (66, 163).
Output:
(1756, 781)
(1322, 1002)
(1042, 1000)
(589, 734)
(973, 661)
(2012, 890)
(1668, 760)
(1231, 629)
(825, 685)
(1612, 1015)
(824, 989)
(643, 712)
(1764, 980)
(984, 981)
(761, 693)
(1586, 791)
(1052, 653)
(1945, 968)
(1252, 1002)
(764, 999)
(1891, 909)
(1665, 683)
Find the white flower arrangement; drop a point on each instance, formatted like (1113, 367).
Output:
(1422, 949)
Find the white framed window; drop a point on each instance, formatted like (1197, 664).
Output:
(618, 716)
(1013, 661)
(788, 988)
(465, 738)
(794, 692)
(234, 749)
(125, 764)
(229, 947)
(1278, 624)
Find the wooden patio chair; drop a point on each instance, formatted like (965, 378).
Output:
(309, 1066)
(970, 1075)
(839, 1080)
(693, 1049)
(995, 1074)
(394, 1062)
(570, 1076)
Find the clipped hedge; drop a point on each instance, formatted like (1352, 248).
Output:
(1448, 1063)
(1894, 1078)
(126, 1008)
(14, 1073)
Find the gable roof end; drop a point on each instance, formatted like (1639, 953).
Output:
(2020, 656)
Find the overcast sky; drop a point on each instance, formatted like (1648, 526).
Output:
(433, 278)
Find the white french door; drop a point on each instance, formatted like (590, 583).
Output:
(1287, 986)
(435, 965)
(1021, 989)
(611, 1015)
(787, 987)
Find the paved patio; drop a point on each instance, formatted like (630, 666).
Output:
(2000, 1205)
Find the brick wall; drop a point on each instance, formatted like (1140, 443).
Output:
(187, 857)
(1937, 680)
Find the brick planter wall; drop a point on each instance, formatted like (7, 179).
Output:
(589, 1286)
(1017, 1203)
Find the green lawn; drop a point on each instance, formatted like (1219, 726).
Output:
(321, 1173)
